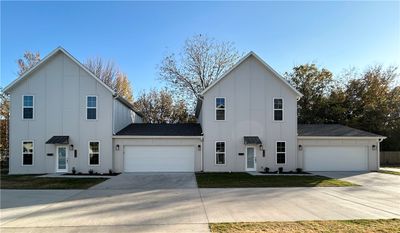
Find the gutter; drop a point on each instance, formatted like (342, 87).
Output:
(153, 137)
(380, 138)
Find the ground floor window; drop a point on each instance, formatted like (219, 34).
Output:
(280, 152)
(220, 152)
(94, 153)
(27, 153)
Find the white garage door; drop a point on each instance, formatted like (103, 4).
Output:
(335, 158)
(159, 159)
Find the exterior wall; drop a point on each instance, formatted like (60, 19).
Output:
(249, 90)
(123, 116)
(122, 142)
(373, 155)
(60, 88)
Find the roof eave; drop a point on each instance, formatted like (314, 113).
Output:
(342, 137)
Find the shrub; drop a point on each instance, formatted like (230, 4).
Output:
(280, 170)
(91, 172)
(299, 170)
(73, 170)
(266, 169)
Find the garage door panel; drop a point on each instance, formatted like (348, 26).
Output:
(158, 159)
(335, 158)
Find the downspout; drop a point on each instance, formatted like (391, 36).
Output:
(202, 153)
(379, 152)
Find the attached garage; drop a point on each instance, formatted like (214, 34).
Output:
(158, 148)
(334, 147)
(159, 159)
(335, 158)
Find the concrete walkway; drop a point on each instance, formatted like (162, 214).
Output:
(170, 203)
(393, 169)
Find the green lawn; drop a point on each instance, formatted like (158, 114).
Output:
(355, 226)
(35, 182)
(245, 180)
(389, 172)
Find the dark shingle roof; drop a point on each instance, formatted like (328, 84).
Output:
(146, 129)
(332, 130)
(252, 140)
(58, 140)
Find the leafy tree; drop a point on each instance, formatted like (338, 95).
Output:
(201, 61)
(4, 126)
(159, 107)
(123, 86)
(28, 60)
(315, 84)
(108, 72)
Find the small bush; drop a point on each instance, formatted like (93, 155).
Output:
(266, 169)
(280, 170)
(73, 170)
(91, 171)
(299, 170)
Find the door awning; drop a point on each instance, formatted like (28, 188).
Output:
(58, 140)
(252, 140)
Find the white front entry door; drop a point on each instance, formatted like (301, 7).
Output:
(159, 158)
(335, 158)
(62, 159)
(250, 158)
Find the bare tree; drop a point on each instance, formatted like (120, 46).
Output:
(27, 61)
(201, 61)
(4, 128)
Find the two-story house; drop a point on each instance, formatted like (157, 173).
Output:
(64, 118)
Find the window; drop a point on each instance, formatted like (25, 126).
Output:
(220, 152)
(27, 107)
(278, 109)
(280, 152)
(220, 109)
(27, 153)
(91, 108)
(94, 153)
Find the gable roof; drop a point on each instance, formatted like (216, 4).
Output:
(332, 130)
(251, 53)
(44, 60)
(128, 104)
(149, 129)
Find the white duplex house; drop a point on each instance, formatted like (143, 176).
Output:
(62, 117)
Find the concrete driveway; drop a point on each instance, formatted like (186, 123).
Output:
(126, 203)
(172, 203)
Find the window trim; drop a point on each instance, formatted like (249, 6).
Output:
(33, 108)
(276, 153)
(215, 108)
(88, 154)
(283, 109)
(87, 107)
(215, 154)
(22, 153)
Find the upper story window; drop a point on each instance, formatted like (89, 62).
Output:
(94, 153)
(27, 107)
(280, 152)
(91, 108)
(220, 153)
(278, 109)
(27, 153)
(220, 109)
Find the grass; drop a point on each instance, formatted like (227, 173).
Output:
(245, 180)
(387, 225)
(389, 172)
(35, 182)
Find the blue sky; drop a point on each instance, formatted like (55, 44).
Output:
(136, 35)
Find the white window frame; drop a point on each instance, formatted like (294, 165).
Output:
(276, 152)
(87, 107)
(33, 108)
(215, 154)
(33, 153)
(215, 106)
(93, 165)
(283, 109)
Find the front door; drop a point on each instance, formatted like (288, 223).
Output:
(250, 158)
(62, 159)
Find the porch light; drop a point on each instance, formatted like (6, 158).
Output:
(300, 147)
(373, 147)
(261, 147)
(71, 147)
(117, 147)
(199, 147)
